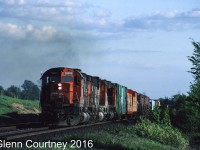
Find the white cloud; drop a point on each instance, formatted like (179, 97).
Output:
(170, 21)
(45, 33)
(11, 30)
(29, 27)
(91, 22)
(102, 13)
(170, 14)
(12, 2)
(22, 2)
(85, 17)
(195, 13)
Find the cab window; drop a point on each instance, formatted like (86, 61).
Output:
(54, 79)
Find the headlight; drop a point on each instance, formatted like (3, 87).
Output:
(60, 86)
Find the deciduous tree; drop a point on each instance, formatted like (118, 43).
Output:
(13, 91)
(30, 90)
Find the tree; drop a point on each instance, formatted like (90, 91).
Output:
(195, 70)
(13, 91)
(179, 111)
(193, 104)
(30, 90)
(195, 59)
(1, 90)
(186, 109)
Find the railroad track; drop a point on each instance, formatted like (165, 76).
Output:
(20, 125)
(6, 129)
(22, 135)
(11, 134)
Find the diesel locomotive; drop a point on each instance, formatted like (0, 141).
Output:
(70, 97)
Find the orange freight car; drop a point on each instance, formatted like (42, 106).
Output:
(131, 102)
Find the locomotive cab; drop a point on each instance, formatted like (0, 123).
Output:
(61, 95)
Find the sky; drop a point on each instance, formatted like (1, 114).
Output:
(140, 44)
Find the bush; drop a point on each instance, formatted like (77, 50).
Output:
(185, 113)
(162, 133)
(160, 116)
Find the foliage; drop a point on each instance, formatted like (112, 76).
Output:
(183, 113)
(186, 109)
(160, 116)
(165, 117)
(162, 133)
(30, 90)
(195, 95)
(193, 104)
(195, 59)
(13, 91)
(121, 137)
(154, 115)
(1, 90)
(164, 101)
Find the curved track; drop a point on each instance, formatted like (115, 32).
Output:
(40, 132)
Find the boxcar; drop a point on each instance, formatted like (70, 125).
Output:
(143, 104)
(131, 102)
(121, 99)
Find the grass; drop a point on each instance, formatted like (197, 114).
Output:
(7, 107)
(106, 140)
(142, 136)
(128, 137)
(118, 138)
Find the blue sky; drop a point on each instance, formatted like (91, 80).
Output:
(141, 44)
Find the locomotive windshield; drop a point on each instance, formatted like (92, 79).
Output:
(54, 79)
(50, 79)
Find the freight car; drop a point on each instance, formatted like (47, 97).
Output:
(70, 97)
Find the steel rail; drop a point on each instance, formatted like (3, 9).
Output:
(38, 133)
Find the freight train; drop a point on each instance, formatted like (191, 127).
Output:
(71, 97)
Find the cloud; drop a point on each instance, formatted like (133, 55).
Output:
(17, 32)
(172, 20)
(41, 34)
(84, 16)
(12, 2)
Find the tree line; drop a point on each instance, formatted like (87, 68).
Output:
(184, 110)
(27, 91)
